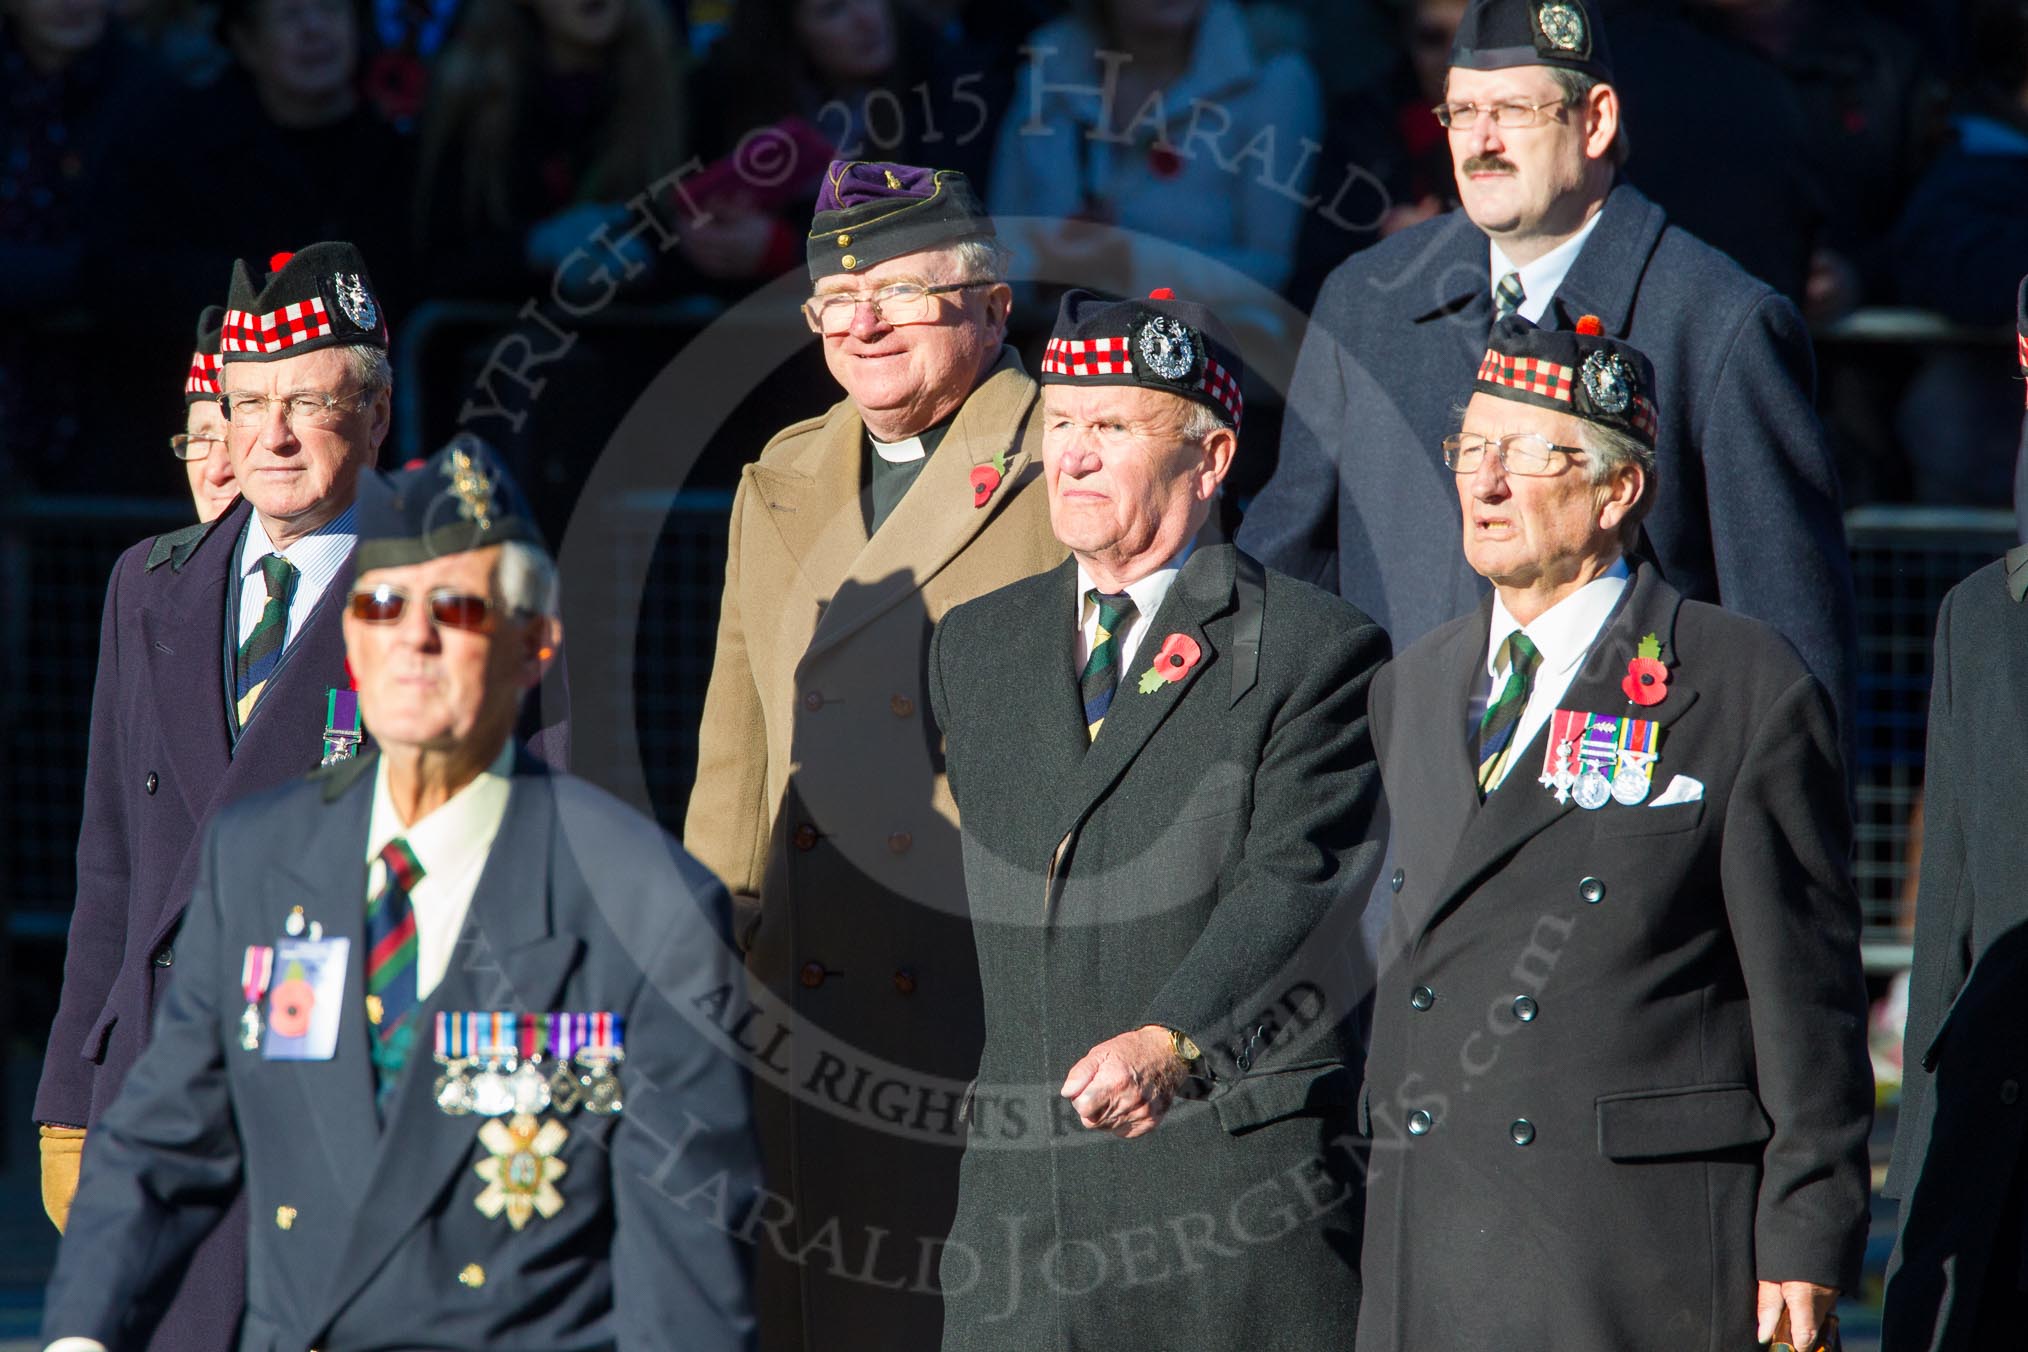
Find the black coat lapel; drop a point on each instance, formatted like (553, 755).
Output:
(508, 957)
(1521, 808)
(1202, 591)
(181, 634)
(1042, 651)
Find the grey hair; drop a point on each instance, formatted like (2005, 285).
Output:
(1577, 87)
(982, 258)
(1202, 420)
(369, 366)
(1610, 450)
(524, 578)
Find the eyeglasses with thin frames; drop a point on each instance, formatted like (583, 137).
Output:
(304, 408)
(895, 304)
(1522, 453)
(1509, 115)
(195, 445)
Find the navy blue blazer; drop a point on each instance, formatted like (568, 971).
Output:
(1748, 512)
(370, 1237)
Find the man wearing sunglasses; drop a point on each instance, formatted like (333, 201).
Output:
(1618, 1067)
(1550, 230)
(533, 1178)
(218, 656)
(820, 798)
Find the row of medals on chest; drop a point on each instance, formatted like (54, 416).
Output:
(499, 1063)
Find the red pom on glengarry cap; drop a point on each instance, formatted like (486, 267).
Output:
(1162, 293)
(1591, 326)
(276, 262)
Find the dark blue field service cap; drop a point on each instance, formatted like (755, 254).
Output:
(460, 498)
(868, 213)
(1161, 343)
(1498, 34)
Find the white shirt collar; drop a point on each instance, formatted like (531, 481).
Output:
(1149, 593)
(1540, 279)
(335, 536)
(1563, 634)
(899, 452)
(446, 839)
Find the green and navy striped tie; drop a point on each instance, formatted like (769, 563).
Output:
(1503, 714)
(262, 651)
(1102, 669)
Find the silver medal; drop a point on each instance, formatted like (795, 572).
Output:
(1593, 789)
(1630, 784)
(454, 1091)
(492, 1092)
(293, 926)
(530, 1087)
(250, 1028)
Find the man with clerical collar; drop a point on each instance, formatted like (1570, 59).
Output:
(820, 797)
(1618, 1066)
(434, 1012)
(219, 656)
(1550, 229)
(1161, 755)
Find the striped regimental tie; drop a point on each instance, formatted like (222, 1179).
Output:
(1102, 669)
(262, 651)
(1507, 296)
(390, 967)
(1503, 715)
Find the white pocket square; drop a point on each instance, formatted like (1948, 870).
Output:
(1682, 789)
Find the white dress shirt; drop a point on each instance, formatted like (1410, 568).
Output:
(1148, 594)
(1540, 279)
(1563, 634)
(317, 557)
(451, 844)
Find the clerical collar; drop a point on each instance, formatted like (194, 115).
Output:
(908, 449)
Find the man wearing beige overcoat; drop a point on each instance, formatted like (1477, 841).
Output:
(820, 796)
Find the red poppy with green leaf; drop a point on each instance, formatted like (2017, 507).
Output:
(1647, 678)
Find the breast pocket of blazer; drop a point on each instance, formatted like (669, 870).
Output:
(1615, 821)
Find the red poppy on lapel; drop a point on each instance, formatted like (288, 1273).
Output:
(1179, 653)
(984, 480)
(1647, 679)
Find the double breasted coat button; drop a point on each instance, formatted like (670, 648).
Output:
(2009, 1092)
(902, 706)
(1522, 1132)
(1524, 1008)
(1592, 890)
(1422, 997)
(154, 782)
(1397, 880)
(813, 701)
(806, 837)
(165, 956)
(904, 981)
(813, 974)
(899, 842)
(1419, 1123)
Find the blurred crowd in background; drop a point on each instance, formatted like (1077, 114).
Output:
(1856, 155)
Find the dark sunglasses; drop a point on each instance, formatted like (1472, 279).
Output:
(451, 609)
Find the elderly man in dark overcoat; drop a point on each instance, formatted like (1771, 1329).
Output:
(820, 799)
(1751, 520)
(1960, 1263)
(1618, 1090)
(1159, 750)
(218, 655)
(434, 1014)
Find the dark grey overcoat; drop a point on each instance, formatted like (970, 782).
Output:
(367, 1235)
(1199, 866)
(1361, 502)
(1618, 1068)
(1964, 1117)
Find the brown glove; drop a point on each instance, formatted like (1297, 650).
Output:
(62, 1151)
